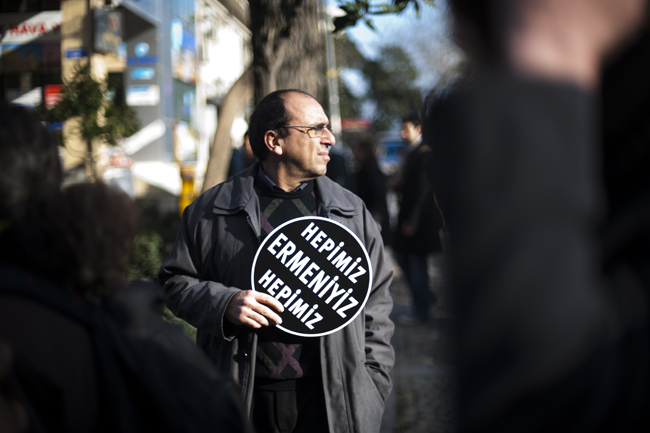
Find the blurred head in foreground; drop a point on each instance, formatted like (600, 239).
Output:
(79, 237)
(556, 39)
(29, 159)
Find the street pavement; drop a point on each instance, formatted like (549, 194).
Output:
(423, 394)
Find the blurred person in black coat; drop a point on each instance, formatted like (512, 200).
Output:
(419, 220)
(65, 315)
(549, 241)
(371, 185)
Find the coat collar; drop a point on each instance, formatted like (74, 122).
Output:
(235, 194)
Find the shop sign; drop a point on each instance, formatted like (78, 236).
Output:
(148, 95)
(53, 94)
(75, 53)
(22, 28)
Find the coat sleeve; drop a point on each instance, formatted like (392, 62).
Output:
(199, 302)
(380, 356)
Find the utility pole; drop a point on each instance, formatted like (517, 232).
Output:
(332, 72)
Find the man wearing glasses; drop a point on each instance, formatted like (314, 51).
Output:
(335, 383)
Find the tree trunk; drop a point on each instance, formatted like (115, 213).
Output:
(221, 151)
(287, 46)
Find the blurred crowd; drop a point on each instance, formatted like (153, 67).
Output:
(530, 175)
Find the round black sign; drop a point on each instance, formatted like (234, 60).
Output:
(319, 270)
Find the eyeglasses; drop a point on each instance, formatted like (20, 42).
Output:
(312, 131)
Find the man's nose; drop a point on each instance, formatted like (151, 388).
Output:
(328, 138)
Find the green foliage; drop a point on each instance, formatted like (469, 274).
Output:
(390, 81)
(347, 53)
(146, 258)
(391, 86)
(83, 97)
(349, 104)
(188, 329)
(152, 246)
(121, 122)
(362, 10)
(154, 241)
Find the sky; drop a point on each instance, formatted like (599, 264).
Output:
(414, 34)
(388, 29)
(422, 38)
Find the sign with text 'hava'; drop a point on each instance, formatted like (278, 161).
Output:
(319, 270)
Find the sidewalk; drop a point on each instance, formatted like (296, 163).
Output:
(422, 400)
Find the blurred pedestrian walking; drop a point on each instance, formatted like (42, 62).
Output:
(419, 220)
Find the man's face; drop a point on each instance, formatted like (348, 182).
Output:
(305, 157)
(410, 132)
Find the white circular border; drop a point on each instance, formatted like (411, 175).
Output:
(363, 248)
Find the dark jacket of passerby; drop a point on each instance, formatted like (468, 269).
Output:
(54, 365)
(558, 305)
(110, 364)
(418, 205)
(117, 366)
(211, 261)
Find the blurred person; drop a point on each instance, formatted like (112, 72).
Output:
(418, 222)
(372, 185)
(79, 238)
(30, 165)
(411, 133)
(339, 168)
(334, 383)
(249, 156)
(63, 257)
(242, 157)
(550, 259)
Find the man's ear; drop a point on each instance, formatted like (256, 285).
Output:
(273, 142)
(419, 128)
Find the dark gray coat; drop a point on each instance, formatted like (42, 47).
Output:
(211, 261)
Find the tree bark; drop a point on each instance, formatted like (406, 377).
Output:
(287, 46)
(221, 152)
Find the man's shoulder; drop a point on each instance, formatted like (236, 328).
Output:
(229, 193)
(332, 191)
(206, 199)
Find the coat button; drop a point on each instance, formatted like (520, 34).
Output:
(244, 355)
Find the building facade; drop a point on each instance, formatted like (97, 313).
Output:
(170, 61)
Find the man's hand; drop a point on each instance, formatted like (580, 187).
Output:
(251, 308)
(568, 40)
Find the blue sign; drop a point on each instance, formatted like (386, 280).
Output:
(143, 73)
(188, 41)
(141, 61)
(75, 53)
(141, 49)
(54, 126)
